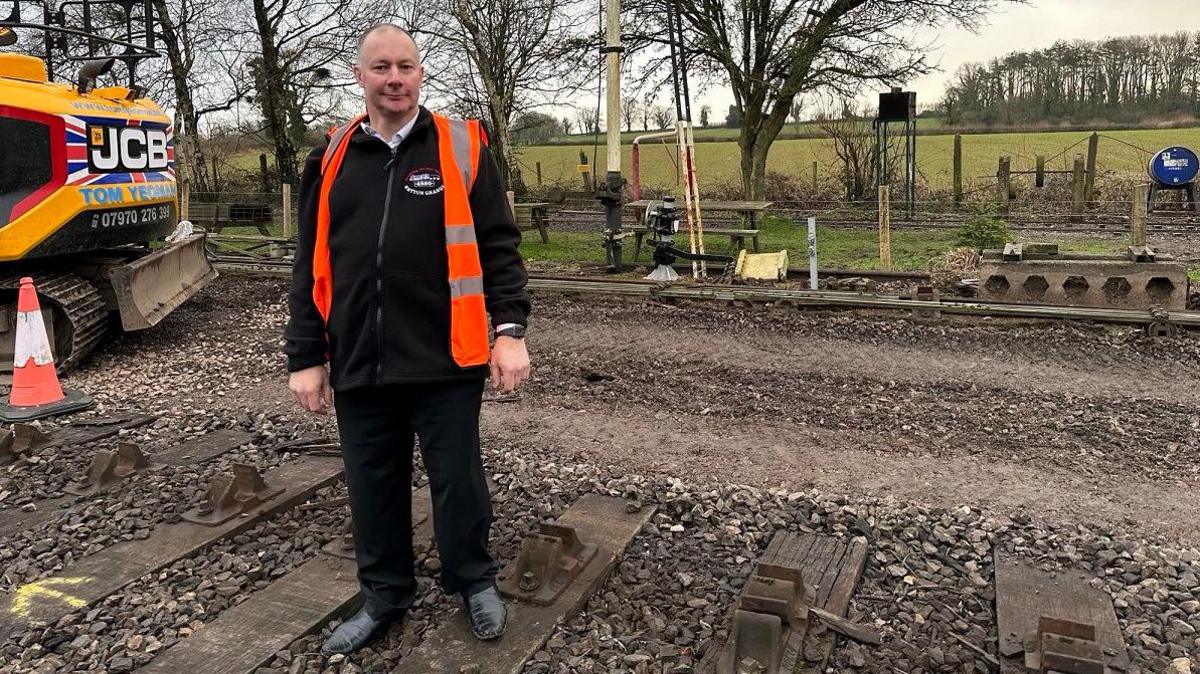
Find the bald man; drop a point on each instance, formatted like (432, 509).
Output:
(407, 248)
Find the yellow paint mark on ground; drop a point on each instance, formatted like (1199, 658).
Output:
(39, 589)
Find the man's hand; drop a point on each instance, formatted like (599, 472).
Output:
(510, 364)
(310, 387)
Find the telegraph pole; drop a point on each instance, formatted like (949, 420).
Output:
(609, 193)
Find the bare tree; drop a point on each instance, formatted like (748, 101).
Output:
(567, 125)
(200, 75)
(795, 113)
(298, 56)
(629, 111)
(588, 120)
(774, 50)
(500, 58)
(663, 118)
(854, 144)
(705, 115)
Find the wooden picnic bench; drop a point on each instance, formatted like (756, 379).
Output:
(215, 216)
(747, 212)
(531, 215)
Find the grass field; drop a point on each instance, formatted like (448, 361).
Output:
(852, 249)
(1120, 152)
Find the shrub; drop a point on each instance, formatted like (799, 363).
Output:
(982, 232)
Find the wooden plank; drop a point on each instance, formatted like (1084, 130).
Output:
(91, 430)
(93, 578)
(837, 602)
(15, 520)
(204, 448)
(450, 648)
(831, 568)
(863, 633)
(1024, 594)
(244, 637)
(199, 451)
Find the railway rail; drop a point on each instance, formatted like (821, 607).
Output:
(686, 290)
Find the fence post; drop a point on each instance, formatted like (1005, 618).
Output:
(1039, 176)
(1077, 188)
(958, 190)
(184, 198)
(287, 210)
(1137, 217)
(812, 252)
(1089, 185)
(539, 173)
(1004, 182)
(885, 228)
(815, 180)
(585, 171)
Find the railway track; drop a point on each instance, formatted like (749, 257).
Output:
(797, 581)
(685, 290)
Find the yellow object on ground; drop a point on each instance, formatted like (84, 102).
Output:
(762, 266)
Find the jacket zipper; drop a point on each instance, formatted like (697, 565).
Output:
(387, 203)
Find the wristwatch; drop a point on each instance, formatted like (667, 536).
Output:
(513, 330)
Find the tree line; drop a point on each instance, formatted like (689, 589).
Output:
(280, 71)
(1120, 79)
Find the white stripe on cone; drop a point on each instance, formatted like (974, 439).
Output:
(32, 341)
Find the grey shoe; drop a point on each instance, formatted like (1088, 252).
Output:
(354, 633)
(487, 613)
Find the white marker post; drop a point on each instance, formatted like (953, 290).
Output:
(812, 253)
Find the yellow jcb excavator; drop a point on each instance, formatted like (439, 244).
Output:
(88, 203)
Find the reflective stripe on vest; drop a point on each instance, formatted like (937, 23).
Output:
(468, 315)
(459, 144)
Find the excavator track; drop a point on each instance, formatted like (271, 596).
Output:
(82, 317)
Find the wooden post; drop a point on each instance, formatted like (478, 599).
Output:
(185, 198)
(1089, 185)
(585, 171)
(287, 210)
(1039, 177)
(1137, 217)
(1004, 183)
(885, 229)
(958, 190)
(539, 173)
(512, 204)
(1077, 188)
(814, 179)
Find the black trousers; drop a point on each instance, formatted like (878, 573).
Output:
(377, 426)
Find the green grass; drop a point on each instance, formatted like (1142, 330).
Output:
(1119, 152)
(840, 248)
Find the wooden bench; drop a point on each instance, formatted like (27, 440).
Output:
(531, 215)
(737, 237)
(216, 216)
(746, 211)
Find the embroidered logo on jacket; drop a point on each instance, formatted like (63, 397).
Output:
(423, 181)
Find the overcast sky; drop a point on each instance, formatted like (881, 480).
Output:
(1023, 27)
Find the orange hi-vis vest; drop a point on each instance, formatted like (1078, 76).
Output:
(459, 143)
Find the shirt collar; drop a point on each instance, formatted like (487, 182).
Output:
(400, 135)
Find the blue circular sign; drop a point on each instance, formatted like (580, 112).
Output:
(1174, 166)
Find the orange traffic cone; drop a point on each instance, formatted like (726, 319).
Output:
(36, 392)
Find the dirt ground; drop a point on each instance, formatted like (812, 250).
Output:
(1055, 421)
(1052, 421)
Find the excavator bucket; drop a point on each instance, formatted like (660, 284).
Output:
(151, 287)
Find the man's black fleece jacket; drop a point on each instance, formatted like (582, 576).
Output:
(390, 318)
